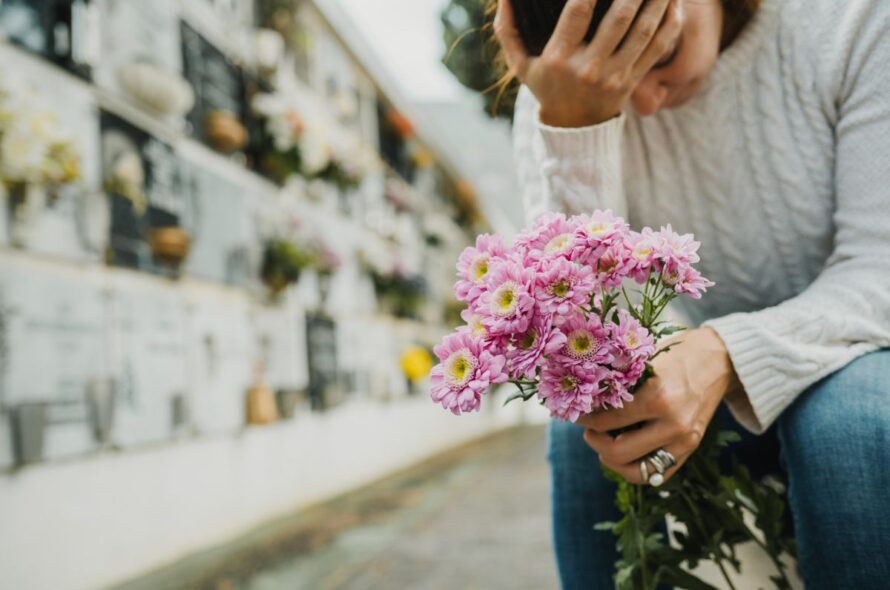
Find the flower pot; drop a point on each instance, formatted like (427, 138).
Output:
(28, 431)
(261, 406)
(287, 400)
(100, 403)
(225, 132)
(180, 413)
(25, 205)
(170, 245)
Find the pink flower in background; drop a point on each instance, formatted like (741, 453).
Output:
(570, 391)
(587, 341)
(531, 348)
(465, 373)
(474, 264)
(507, 305)
(561, 286)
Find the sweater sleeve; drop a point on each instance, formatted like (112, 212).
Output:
(780, 351)
(568, 170)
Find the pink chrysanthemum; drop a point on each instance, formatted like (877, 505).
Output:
(552, 236)
(596, 232)
(561, 286)
(507, 305)
(474, 264)
(465, 373)
(684, 279)
(614, 265)
(587, 341)
(644, 248)
(616, 390)
(671, 246)
(628, 335)
(531, 348)
(571, 391)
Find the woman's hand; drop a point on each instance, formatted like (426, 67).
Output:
(674, 407)
(580, 84)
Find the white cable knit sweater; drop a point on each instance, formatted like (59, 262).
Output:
(781, 168)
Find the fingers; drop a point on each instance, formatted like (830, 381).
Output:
(571, 28)
(664, 41)
(630, 447)
(614, 27)
(643, 31)
(508, 36)
(632, 473)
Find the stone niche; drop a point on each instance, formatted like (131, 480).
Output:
(53, 350)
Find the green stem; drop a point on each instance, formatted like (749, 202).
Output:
(639, 494)
(717, 555)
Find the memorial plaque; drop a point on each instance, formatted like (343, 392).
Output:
(220, 228)
(220, 361)
(54, 327)
(63, 31)
(136, 30)
(57, 229)
(159, 200)
(321, 345)
(148, 359)
(218, 82)
(281, 347)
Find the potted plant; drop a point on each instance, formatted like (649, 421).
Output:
(283, 262)
(169, 245)
(38, 160)
(225, 132)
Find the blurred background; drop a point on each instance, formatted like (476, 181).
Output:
(228, 231)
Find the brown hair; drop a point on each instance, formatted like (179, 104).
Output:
(536, 20)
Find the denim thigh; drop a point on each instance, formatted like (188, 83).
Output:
(835, 441)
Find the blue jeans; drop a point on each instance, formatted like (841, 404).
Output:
(833, 443)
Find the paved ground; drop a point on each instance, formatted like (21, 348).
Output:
(473, 519)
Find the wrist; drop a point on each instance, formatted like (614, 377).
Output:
(563, 120)
(725, 372)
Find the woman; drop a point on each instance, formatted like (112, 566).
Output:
(764, 128)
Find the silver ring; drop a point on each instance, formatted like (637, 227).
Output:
(644, 471)
(667, 458)
(657, 463)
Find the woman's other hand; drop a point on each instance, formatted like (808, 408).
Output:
(674, 407)
(579, 84)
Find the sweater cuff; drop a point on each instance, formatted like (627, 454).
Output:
(762, 400)
(597, 143)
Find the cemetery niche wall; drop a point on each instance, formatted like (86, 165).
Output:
(133, 309)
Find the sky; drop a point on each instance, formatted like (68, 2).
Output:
(407, 37)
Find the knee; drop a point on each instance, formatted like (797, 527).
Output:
(842, 422)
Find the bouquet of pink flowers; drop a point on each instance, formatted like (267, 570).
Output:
(544, 313)
(552, 314)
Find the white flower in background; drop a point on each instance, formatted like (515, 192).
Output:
(315, 151)
(22, 154)
(32, 148)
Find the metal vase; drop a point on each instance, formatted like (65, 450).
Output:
(29, 421)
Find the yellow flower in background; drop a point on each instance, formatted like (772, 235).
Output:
(416, 363)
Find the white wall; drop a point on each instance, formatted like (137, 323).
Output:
(95, 521)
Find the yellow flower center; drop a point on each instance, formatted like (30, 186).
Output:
(504, 300)
(559, 289)
(631, 340)
(560, 243)
(582, 344)
(459, 368)
(529, 339)
(568, 383)
(479, 268)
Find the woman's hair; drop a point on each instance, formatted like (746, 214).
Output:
(536, 20)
